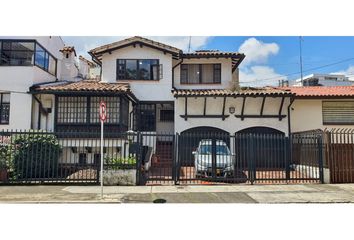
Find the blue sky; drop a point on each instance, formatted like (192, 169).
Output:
(268, 59)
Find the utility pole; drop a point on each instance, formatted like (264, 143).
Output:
(189, 44)
(302, 80)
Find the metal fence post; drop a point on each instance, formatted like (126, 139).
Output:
(288, 156)
(139, 159)
(320, 157)
(175, 159)
(252, 158)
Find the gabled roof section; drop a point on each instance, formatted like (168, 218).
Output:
(321, 91)
(91, 64)
(68, 49)
(99, 51)
(83, 86)
(236, 57)
(264, 91)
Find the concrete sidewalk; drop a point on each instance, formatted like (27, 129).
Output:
(307, 193)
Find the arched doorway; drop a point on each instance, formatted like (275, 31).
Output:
(261, 130)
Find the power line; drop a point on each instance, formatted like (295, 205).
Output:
(307, 70)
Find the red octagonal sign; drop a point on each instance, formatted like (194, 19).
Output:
(103, 111)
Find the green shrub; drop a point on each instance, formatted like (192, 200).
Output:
(5, 156)
(115, 163)
(35, 155)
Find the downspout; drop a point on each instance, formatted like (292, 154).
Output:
(289, 110)
(173, 73)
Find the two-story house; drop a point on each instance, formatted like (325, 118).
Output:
(158, 88)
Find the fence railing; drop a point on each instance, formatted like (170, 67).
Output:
(201, 157)
(39, 156)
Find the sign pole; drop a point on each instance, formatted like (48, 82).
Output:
(103, 117)
(101, 159)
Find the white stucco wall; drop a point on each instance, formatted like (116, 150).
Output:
(226, 74)
(231, 124)
(143, 90)
(307, 115)
(18, 79)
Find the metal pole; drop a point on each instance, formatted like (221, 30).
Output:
(302, 80)
(101, 159)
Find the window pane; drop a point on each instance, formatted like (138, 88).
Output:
(17, 53)
(131, 69)
(207, 73)
(72, 109)
(52, 65)
(144, 70)
(40, 56)
(217, 73)
(184, 73)
(113, 109)
(193, 73)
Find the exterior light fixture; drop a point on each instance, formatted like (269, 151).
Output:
(130, 135)
(232, 110)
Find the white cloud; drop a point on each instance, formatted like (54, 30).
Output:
(84, 44)
(260, 76)
(349, 72)
(251, 72)
(257, 51)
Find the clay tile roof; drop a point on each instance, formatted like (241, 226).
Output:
(224, 92)
(83, 86)
(236, 57)
(87, 61)
(97, 52)
(68, 49)
(321, 91)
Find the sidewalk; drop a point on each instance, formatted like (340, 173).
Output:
(307, 193)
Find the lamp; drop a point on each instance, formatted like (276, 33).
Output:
(232, 110)
(130, 135)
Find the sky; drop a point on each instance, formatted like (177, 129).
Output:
(268, 59)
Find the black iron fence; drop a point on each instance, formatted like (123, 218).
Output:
(189, 158)
(47, 157)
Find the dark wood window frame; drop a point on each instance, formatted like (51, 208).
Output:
(167, 115)
(145, 123)
(123, 75)
(46, 54)
(87, 124)
(216, 74)
(4, 109)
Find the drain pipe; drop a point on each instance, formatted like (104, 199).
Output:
(289, 110)
(173, 73)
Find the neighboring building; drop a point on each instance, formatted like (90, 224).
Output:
(88, 69)
(322, 107)
(25, 62)
(323, 80)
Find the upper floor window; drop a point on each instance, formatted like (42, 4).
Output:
(200, 73)
(26, 53)
(139, 69)
(4, 108)
(16, 53)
